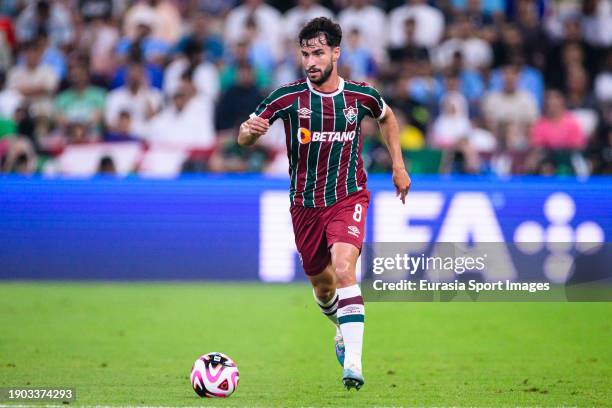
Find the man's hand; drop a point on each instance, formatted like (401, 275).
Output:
(252, 129)
(401, 180)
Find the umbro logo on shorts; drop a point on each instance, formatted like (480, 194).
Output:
(353, 230)
(304, 113)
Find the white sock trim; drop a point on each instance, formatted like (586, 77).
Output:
(349, 291)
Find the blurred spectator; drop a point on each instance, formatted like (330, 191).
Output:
(413, 113)
(603, 82)
(20, 157)
(240, 56)
(192, 63)
(122, 131)
(99, 39)
(239, 100)
(260, 52)
(201, 33)
(304, 11)
(107, 167)
(290, 67)
(597, 22)
(510, 112)
(423, 87)
(580, 101)
(266, 18)
(161, 15)
(529, 79)
(533, 35)
(187, 122)
(50, 16)
(143, 44)
(558, 128)
(7, 42)
(360, 14)
(52, 56)
(10, 99)
(82, 102)
(409, 49)
(357, 57)
(508, 41)
(35, 81)
(376, 157)
(599, 152)
(137, 98)
(467, 81)
(453, 123)
(429, 24)
(477, 53)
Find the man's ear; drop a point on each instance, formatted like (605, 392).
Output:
(336, 54)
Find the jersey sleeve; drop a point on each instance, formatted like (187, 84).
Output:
(375, 103)
(270, 108)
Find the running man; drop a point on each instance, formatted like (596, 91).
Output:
(322, 115)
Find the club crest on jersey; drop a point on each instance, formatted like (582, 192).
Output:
(350, 114)
(304, 113)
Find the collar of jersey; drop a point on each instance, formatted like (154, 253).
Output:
(336, 92)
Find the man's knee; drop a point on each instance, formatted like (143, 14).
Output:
(324, 284)
(344, 262)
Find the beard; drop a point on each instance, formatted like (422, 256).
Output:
(324, 75)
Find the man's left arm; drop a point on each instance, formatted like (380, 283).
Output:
(390, 130)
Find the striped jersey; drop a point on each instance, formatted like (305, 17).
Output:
(323, 137)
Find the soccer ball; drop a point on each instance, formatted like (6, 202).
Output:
(214, 375)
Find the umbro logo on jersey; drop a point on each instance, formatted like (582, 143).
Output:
(350, 114)
(304, 113)
(353, 230)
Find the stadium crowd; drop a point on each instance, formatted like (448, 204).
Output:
(159, 86)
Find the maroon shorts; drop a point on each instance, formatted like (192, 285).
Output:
(317, 229)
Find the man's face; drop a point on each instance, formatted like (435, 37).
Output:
(135, 76)
(510, 79)
(318, 59)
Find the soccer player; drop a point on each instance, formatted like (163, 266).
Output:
(322, 115)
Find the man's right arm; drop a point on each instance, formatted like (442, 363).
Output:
(251, 130)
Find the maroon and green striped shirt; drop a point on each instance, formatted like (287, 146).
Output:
(323, 137)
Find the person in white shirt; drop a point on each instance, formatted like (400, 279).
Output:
(137, 98)
(429, 23)
(511, 112)
(362, 16)
(186, 123)
(163, 15)
(36, 82)
(304, 11)
(463, 37)
(204, 73)
(267, 18)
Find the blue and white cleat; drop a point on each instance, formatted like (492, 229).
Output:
(352, 379)
(339, 346)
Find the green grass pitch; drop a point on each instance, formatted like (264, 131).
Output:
(134, 344)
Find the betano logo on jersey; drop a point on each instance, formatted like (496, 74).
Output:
(306, 136)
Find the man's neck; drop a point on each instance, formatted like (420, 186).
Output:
(329, 86)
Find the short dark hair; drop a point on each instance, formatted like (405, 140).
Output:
(321, 26)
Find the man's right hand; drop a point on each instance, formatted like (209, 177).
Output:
(252, 129)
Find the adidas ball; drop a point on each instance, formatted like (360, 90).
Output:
(214, 375)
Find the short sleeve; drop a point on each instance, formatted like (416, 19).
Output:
(375, 103)
(272, 107)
